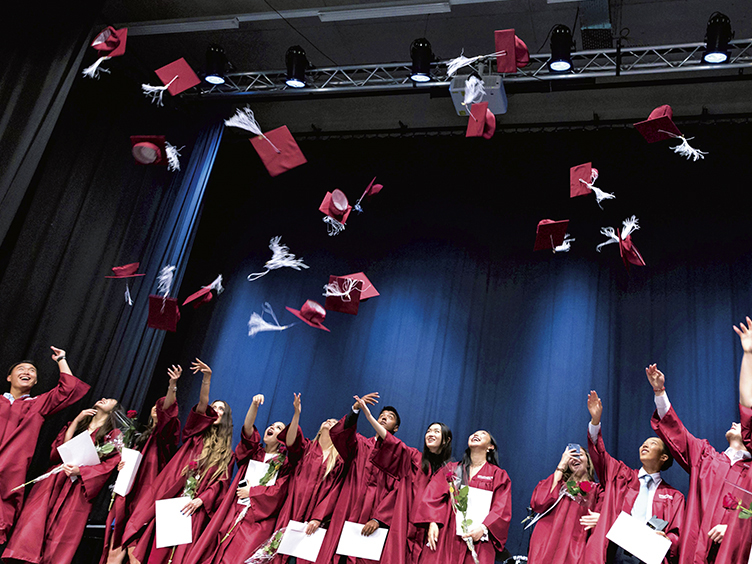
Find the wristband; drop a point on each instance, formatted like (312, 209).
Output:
(61, 358)
(663, 389)
(174, 388)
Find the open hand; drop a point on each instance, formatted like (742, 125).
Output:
(91, 412)
(174, 373)
(595, 407)
(369, 399)
(716, 533)
(656, 378)
(745, 334)
(200, 366)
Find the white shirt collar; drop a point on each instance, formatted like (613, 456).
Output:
(11, 399)
(737, 455)
(656, 476)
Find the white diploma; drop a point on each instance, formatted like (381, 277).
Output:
(173, 528)
(296, 543)
(79, 451)
(126, 476)
(639, 539)
(253, 474)
(353, 543)
(478, 508)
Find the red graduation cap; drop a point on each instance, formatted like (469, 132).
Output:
(579, 177)
(513, 52)
(178, 76)
(311, 313)
(149, 149)
(336, 206)
(659, 126)
(550, 234)
(347, 299)
(629, 253)
(164, 313)
(110, 42)
(482, 122)
(367, 290)
(205, 295)
(125, 271)
(278, 150)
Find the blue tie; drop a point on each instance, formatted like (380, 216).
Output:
(640, 509)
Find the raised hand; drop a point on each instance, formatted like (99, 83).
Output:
(369, 399)
(258, 400)
(90, 412)
(296, 403)
(58, 353)
(745, 334)
(656, 378)
(564, 462)
(174, 373)
(200, 366)
(595, 407)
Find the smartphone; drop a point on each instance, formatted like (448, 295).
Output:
(576, 448)
(242, 483)
(657, 524)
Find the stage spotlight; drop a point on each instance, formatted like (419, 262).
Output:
(422, 56)
(216, 65)
(561, 49)
(296, 62)
(717, 39)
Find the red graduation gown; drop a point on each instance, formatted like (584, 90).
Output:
(708, 471)
(54, 517)
(558, 537)
(257, 525)
(169, 483)
(20, 423)
(620, 488)
(156, 452)
(311, 495)
(363, 489)
(435, 507)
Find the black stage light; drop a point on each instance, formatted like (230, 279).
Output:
(717, 39)
(561, 49)
(216, 65)
(296, 62)
(422, 56)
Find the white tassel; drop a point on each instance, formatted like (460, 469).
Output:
(456, 64)
(474, 91)
(600, 195)
(94, 70)
(128, 299)
(333, 289)
(244, 119)
(257, 324)
(216, 285)
(609, 232)
(333, 227)
(156, 92)
(164, 280)
(686, 150)
(566, 244)
(173, 162)
(629, 225)
(281, 257)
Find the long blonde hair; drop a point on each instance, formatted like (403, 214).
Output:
(331, 457)
(217, 449)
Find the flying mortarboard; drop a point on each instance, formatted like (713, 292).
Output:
(511, 51)
(125, 271)
(582, 182)
(154, 149)
(311, 313)
(177, 77)
(660, 126)
(336, 209)
(370, 190)
(204, 295)
(552, 235)
(110, 42)
(482, 122)
(342, 295)
(627, 250)
(164, 313)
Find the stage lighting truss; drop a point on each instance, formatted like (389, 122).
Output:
(394, 77)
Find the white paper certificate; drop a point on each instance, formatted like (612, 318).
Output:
(126, 476)
(257, 470)
(296, 543)
(478, 508)
(353, 543)
(79, 451)
(173, 528)
(639, 539)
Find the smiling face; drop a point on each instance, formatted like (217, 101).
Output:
(433, 439)
(389, 421)
(270, 435)
(480, 440)
(106, 405)
(23, 377)
(652, 454)
(219, 407)
(578, 464)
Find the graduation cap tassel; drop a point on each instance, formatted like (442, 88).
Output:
(474, 91)
(257, 324)
(164, 282)
(456, 64)
(565, 246)
(156, 92)
(94, 70)
(333, 227)
(609, 232)
(281, 257)
(244, 119)
(630, 225)
(685, 149)
(128, 299)
(173, 162)
(333, 289)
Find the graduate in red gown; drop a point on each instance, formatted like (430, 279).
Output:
(157, 444)
(621, 488)
(248, 512)
(316, 483)
(562, 500)
(54, 517)
(414, 470)
(21, 418)
(479, 469)
(364, 487)
(200, 470)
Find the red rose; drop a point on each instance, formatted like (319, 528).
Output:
(730, 502)
(192, 465)
(132, 414)
(586, 487)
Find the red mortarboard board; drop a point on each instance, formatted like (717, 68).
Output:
(163, 313)
(343, 304)
(126, 271)
(658, 123)
(312, 313)
(482, 122)
(584, 173)
(514, 51)
(149, 149)
(628, 252)
(550, 234)
(204, 295)
(335, 205)
(186, 78)
(372, 189)
(367, 290)
(280, 139)
(110, 42)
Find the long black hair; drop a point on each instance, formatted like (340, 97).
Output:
(430, 462)
(492, 456)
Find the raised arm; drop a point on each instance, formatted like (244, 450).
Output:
(71, 430)
(292, 431)
(745, 375)
(172, 387)
(362, 404)
(58, 355)
(203, 398)
(250, 417)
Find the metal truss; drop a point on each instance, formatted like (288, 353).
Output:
(395, 77)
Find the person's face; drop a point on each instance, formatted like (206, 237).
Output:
(578, 463)
(480, 440)
(23, 377)
(734, 433)
(270, 435)
(388, 420)
(651, 452)
(433, 438)
(106, 405)
(327, 425)
(219, 407)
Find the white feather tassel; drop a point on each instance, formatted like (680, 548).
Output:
(686, 150)
(173, 162)
(281, 257)
(333, 289)
(474, 91)
(156, 92)
(333, 227)
(217, 285)
(609, 232)
(244, 119)
(94, 70)
(456, 64)
(128, 299)
(566, 244)
(164, 280)
(600, 195)
(629, 225)
(257, 324)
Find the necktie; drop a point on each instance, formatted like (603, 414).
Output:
(640, 509)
